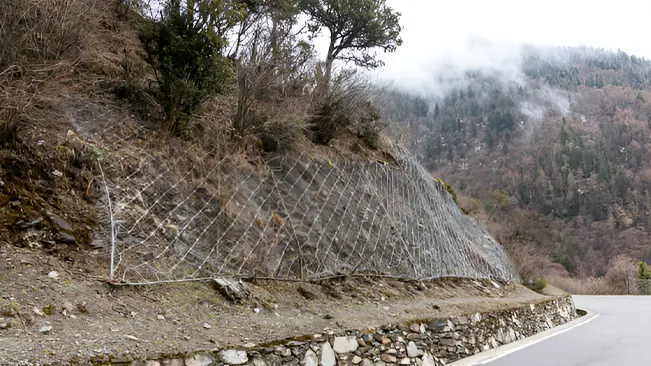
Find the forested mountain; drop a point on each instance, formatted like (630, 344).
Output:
(556, 158)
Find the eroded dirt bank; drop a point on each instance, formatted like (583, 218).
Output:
(56, 312)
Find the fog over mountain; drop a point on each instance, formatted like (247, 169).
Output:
(442, 35)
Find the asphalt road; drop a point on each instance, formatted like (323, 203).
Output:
(620, 335)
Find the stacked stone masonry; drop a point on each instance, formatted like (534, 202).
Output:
(422, 343)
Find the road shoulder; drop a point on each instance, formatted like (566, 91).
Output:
(497, 353)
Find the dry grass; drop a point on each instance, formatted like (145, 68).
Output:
(40, 51)
(586, 286)
(348, 104)
(40, 31)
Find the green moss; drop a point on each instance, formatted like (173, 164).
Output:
(280, 342)
(49, 310)
(9, 308)
(538, 284)
(449, 189)
(304, 338)
(82, 309)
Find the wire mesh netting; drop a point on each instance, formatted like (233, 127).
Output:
(292, 216)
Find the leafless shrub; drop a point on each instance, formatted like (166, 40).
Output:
(528, 260)
(621, 269)
(40, 42)
(269, 108)
(585, 286)
(9, 125)
(616, 281)
(38, 31)
(274, 82)
(348, 103)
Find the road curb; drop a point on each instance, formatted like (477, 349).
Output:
(499, 352)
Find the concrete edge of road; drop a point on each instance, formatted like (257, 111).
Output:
(499, 352)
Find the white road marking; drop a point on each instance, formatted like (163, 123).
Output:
(486, 357)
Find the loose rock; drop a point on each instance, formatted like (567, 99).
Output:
(62, 224)
(345, 344)
(412, 350)
(415, 327)
(234, 357)
(45, 329)
(66, 238)
(174, 362)
(428, 360)
(232, 289)
(68, 306)
(38, 311)
(388, 358)
(261, 362)
(310, 359)
(202, 359)
(327, 355)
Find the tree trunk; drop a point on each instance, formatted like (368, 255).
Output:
(273, 37)
(328, 70)
(324, 83)
(241, 110)
(240, 34)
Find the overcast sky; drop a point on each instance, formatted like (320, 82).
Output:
(440, 29)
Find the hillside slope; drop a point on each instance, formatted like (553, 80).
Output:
(314, 213)
(87, 165)
(103, 184)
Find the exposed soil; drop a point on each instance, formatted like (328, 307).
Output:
(46, 193)
(169, 319)
(47, 217)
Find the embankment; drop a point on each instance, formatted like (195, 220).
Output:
(419, 342)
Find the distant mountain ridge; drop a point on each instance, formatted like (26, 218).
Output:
(557, 155)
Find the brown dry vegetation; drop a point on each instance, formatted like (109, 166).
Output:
(75, 87)
(532, 261)
(58, 56)
(619, 280)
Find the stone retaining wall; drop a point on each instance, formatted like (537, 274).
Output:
(422, 343)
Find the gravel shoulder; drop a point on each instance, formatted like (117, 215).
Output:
(75, 316)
